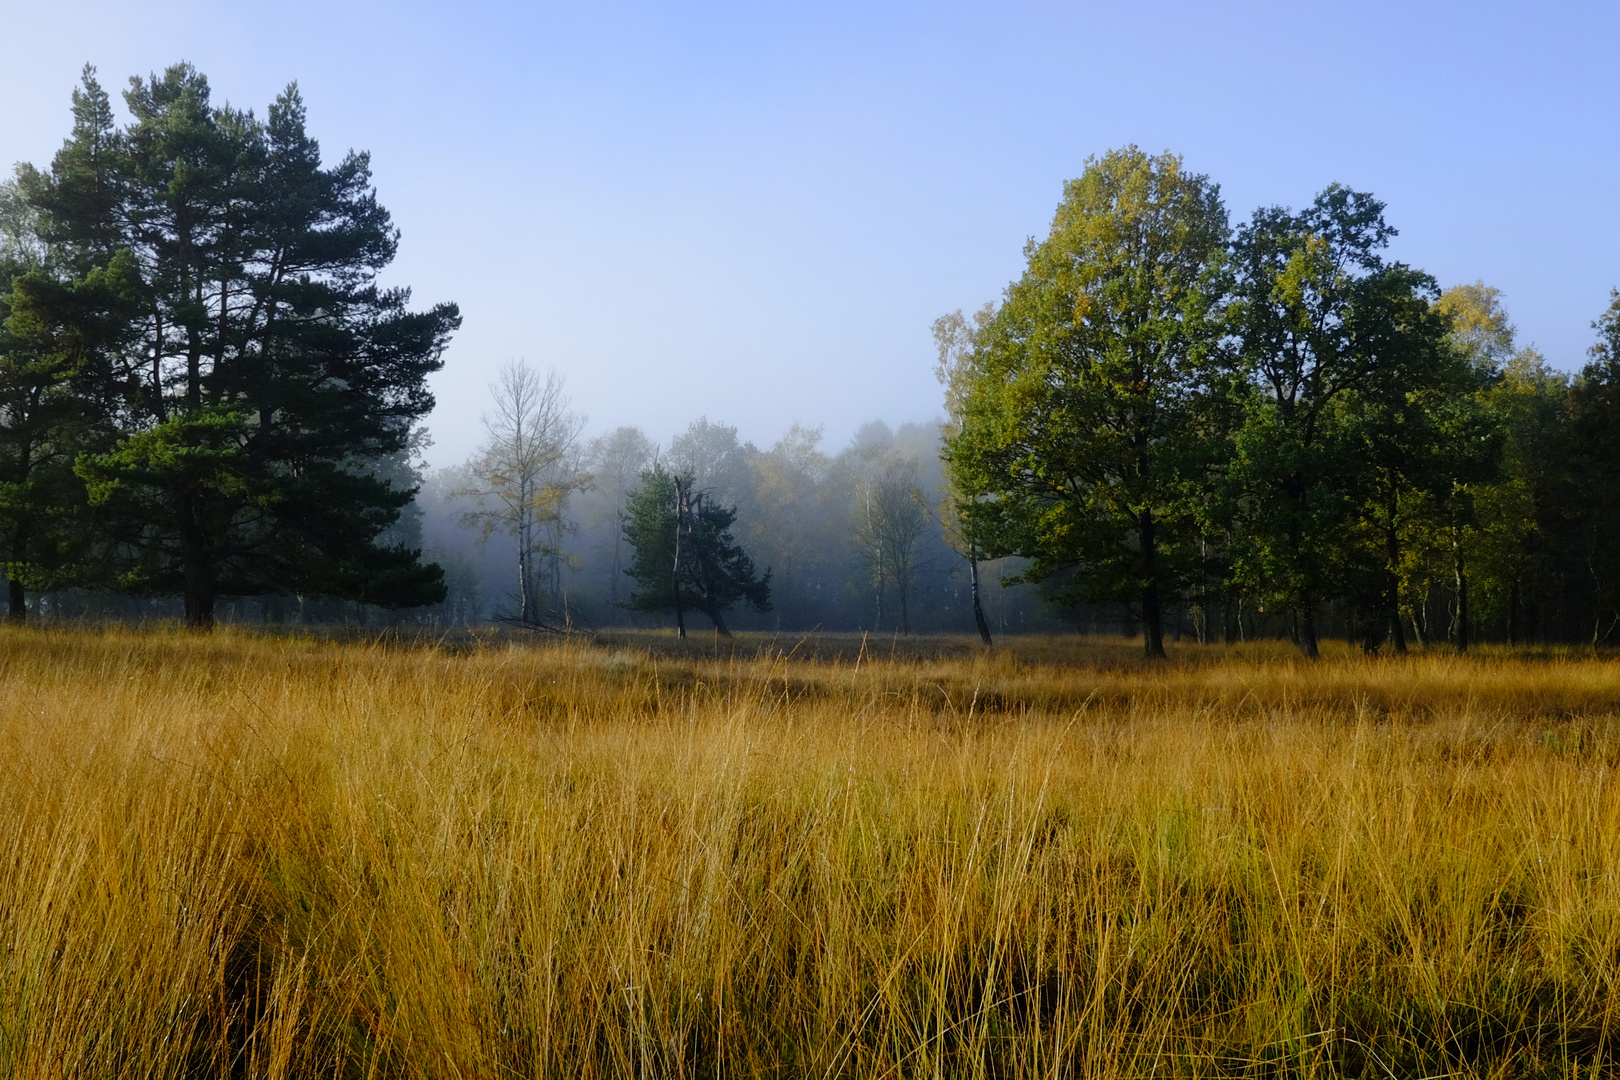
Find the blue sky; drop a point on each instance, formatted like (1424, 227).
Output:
(755, 211)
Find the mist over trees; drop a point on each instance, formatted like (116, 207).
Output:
(805, 516)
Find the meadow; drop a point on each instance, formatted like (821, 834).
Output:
(258, 855)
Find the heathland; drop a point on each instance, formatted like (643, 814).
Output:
(258, 855)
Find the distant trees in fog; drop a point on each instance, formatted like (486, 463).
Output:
(522, 478)
(850, 539)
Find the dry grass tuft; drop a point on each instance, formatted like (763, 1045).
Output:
(268, 856)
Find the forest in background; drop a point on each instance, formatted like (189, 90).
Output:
(802, 513)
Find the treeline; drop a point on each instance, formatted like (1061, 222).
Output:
(1275, 420)
(1168, 425)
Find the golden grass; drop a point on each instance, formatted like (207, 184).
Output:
(262, 856)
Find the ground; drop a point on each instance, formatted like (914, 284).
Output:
(487, 855)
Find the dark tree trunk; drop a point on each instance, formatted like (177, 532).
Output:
(1392, 581)
(1307, 633)
(877, 619)
(1514, 631)
(1392, 600)
(1397, 633)
(1461, 634)
(197, 570)
(199, 608)
(713, 612)
(1152, 616)
(18, 610)
(1152, 623)
(675, 573)
(978, 608)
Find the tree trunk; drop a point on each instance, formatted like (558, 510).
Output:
(978, 608)
(1307, 633)
(199, 608)
(1152, 617)
(675, 575)
(1392, 601)
(197, 571)
(1514, 632)
(525, 560)
(713, 612)
(1392, 581)
(877, 620)
(1152, 623)
(1397, 633)
(523, 581)
(1461, 635)
(18, 612)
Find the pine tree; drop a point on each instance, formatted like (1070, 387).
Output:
(683, 554)
(55, 338)
(265, 368)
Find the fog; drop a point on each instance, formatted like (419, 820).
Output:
(800, 515)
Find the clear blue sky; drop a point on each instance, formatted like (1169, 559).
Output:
(755, 211)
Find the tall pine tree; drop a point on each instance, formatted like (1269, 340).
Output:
(265, 368)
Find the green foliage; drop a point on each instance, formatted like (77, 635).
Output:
(664, 518)
(253, 368)
(1594, 508)
(1278, 420)
(1344, 352)
(1096, 390)
(56, 339)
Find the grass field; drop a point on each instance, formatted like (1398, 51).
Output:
(267, 856)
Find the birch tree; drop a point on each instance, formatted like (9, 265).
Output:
(889, 522)
(524, 475)
(955, 340)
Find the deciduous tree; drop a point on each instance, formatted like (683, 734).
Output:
(525, 473)
(1085, 431)
(1321, 319)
